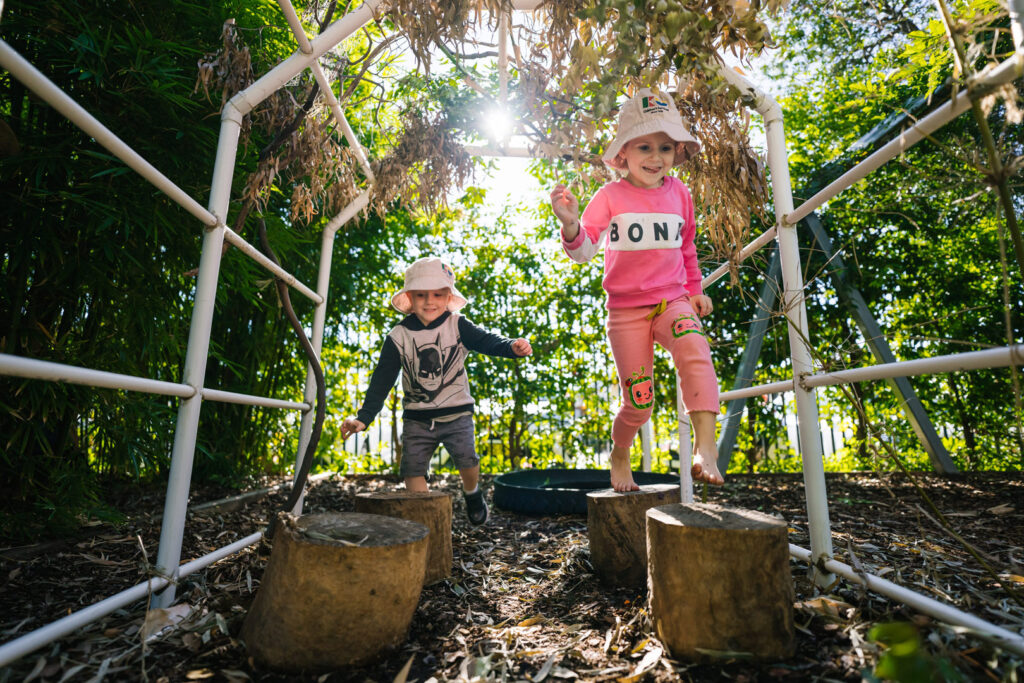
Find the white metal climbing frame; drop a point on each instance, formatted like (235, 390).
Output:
(192, 390)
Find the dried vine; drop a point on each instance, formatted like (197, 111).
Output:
(571, 63)
(575, 61)
(429, 147)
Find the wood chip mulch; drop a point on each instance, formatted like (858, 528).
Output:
(523, 603)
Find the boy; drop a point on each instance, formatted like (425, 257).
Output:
(429, 348)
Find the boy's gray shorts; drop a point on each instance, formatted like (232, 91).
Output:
(420, 440)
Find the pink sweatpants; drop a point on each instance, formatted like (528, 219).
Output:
(632, 338)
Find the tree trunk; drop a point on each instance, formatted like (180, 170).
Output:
(513, 446)
(432, 509)
(616, 526)
(719, 581)
(339, 589)
(965, 419)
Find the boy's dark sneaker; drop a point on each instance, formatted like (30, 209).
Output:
(476, 507)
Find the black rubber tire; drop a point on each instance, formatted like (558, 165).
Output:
(559, 491)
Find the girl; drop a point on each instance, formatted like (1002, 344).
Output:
(651, 275)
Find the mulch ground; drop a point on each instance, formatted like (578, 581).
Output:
(523, 602)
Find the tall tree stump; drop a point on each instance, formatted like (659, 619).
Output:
(719, 581)
(339, 589)
(617, 528)
(433, 509)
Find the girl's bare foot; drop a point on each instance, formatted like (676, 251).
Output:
(622, 474)
(705, 458)
(706, 469)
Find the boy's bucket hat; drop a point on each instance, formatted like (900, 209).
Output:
(645, 113)
(428, 273)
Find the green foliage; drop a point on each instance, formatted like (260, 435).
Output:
(904, 659)
(96, 264)
(93, 268)
(919, 236)
(103, 277)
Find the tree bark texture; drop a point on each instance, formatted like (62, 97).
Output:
(616, 526)
(432, 509)
(339, 590)
(719, 581)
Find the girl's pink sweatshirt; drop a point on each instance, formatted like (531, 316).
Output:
(650, 254)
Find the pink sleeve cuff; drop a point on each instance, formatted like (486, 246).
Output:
(576, 241)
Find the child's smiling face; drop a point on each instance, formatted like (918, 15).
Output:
(429, 304)
(648, 158)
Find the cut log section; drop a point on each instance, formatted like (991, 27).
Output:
(719, 581)
(432, 509)
(617, 528)
(338, 591)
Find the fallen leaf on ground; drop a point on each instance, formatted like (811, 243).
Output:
(160, 618)
(827, 607)
(646, 664)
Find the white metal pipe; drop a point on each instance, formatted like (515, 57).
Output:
(319, 322)
(18, 648)
(219, 554)
(338, 31)
(761, 240)
(1004, 638)
(489, 151)
(503, 59)
(250, 400)
(795, 310)
(1016, 9)
(17, 366)
(346, 214)
(685, 449)
(196, 355)
(35, 81)
(764, 104)
(973, 360)
(357, 148)
(260, 258)
(957, 105)
(297, 29)
(339, 116)
(646, 437)
(760, 390)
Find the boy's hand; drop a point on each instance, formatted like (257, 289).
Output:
(351, 426)
(567, 209)
(521, 347)
(701, 305)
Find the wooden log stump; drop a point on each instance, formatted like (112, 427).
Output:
(617, 528)
(433, 509)
(339, 590)
(719, 581)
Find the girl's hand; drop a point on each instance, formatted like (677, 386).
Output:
(521, 347)
(351, 426)
(567, 209)
(702, 305)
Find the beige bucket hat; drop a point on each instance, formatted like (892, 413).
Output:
(649, 112)
(428, 273)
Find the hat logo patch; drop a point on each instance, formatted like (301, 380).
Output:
(651, 105)
(448, 271)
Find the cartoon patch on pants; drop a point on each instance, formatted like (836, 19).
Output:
(641, 389)
(686, 324)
